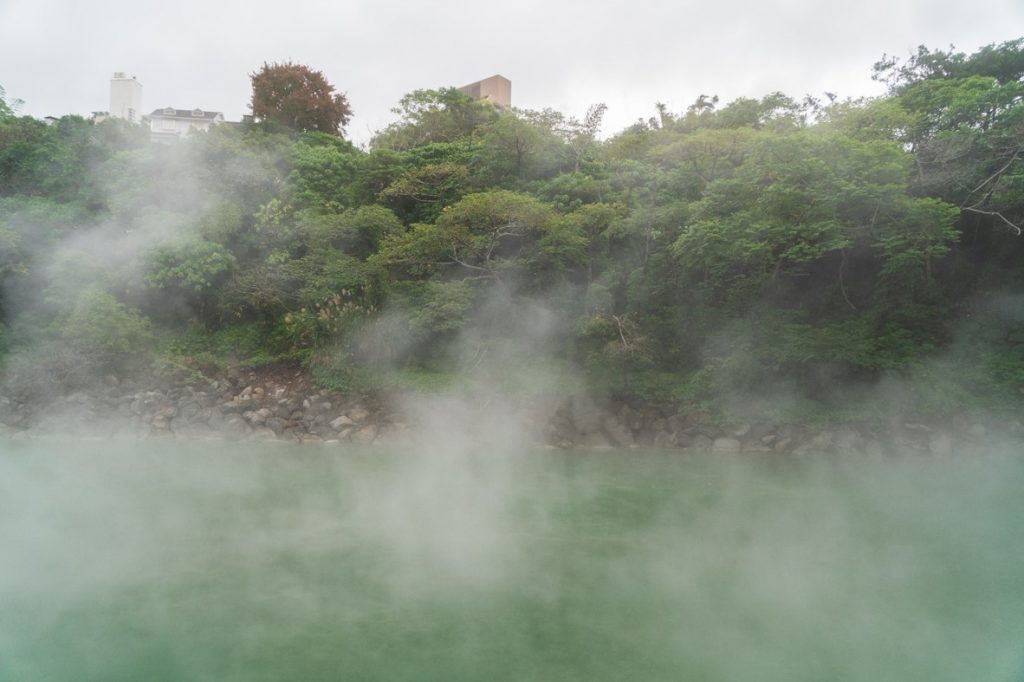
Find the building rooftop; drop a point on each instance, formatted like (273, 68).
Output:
(187, 114)
(497, 90)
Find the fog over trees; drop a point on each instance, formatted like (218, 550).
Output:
(810, 244)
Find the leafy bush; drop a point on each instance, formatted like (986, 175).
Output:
(105, 332)
(332, 368)
(189, 264)
(236, 344)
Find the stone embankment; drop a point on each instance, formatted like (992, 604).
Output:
(246, 405)
(239, 406)
(584, 424)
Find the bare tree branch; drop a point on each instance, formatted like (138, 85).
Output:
(998, 172)
(1016, 228)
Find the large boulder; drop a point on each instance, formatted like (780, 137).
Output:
(701, 443)
(342, 422)
(359, 414)
(365, 435)
(617, 432)
(585, 416)
(940, 444)
(724, 444)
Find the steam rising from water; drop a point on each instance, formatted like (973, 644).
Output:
(477, 559)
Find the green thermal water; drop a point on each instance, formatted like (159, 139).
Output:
(171, 562)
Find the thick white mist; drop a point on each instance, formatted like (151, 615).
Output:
(468, 555)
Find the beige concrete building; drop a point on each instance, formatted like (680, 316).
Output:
(497, 90)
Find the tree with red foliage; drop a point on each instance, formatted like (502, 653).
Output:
(296, 96)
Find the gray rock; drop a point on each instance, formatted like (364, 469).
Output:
(726, 445)
(595, 439)
(822, 442)
(848, 440)
(663, 439)
(560, 429)
(341, 422)
(676, 423)
(681, 439)
(790, 431)
(264, 433)
(236, 427)
(206, 400)
(252, 417)
(940, 444)
(631, 419)
(189, 410)
(367, 434)
(358, 414)
(216, 418)
(617, 432)
(203, 416)
(701, 443)
(585, 417)
(710, 431)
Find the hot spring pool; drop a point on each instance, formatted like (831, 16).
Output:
(198, 562)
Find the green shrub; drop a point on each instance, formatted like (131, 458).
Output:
(332, 368)
(248, 344)
(107, 334)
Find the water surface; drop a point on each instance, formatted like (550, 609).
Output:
(189, 562)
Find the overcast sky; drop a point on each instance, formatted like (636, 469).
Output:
(58, 55)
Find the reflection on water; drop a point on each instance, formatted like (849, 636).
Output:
(173, 562)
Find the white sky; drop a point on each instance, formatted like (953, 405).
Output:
(58, 55)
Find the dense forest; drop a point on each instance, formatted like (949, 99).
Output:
(818, 248)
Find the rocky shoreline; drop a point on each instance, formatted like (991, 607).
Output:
(284, 405)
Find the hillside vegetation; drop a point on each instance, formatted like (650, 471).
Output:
(817, 249)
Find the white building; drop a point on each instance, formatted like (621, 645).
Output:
(125, 98)
(170, 124)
